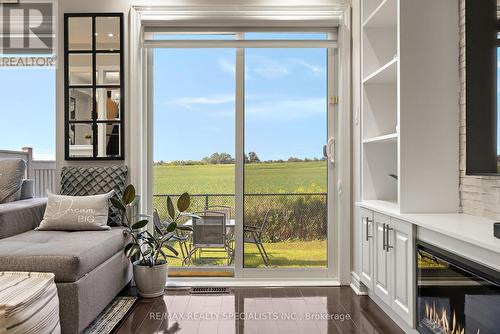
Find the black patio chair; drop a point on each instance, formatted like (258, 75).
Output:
(209, 234)
(253, 235)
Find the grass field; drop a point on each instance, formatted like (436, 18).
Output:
(293, 254)
(259, 178)
(288, 177)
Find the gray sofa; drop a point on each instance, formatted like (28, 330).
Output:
(89, 266)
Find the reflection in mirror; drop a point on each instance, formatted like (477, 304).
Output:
(107, 33)
(80, 140)
(108, 69)
(79, 33)
(80, 69)
(108, 140)
(108, 103)
(80, 104)
(482, 145)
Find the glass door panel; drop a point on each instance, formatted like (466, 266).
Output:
(194, 144)
(285, 174)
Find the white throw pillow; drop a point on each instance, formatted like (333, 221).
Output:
(76, 213)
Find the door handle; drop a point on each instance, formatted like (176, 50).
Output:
(387, 231)
(329, 150)
(368, 221)
(383, 237)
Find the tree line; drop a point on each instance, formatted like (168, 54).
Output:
(224, 158)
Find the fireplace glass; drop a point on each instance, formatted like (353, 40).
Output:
(455, 295)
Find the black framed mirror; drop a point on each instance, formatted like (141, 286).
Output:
(94, 86)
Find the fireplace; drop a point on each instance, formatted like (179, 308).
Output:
(455, 295)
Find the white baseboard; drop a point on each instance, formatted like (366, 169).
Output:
(358, 287)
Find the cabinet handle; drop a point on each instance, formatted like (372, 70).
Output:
(383, 237)
(387, 230)
(368, 221)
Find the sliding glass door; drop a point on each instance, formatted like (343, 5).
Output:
(194, 147)
(240, 122)
(285, 173)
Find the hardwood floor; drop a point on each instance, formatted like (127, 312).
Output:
(301, 310)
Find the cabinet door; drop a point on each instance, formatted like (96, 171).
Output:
(367, 247)
(402, 266)
(381, 275)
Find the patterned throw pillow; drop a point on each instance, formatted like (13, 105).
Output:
(76, 213)
(85, 181)
(11, 179)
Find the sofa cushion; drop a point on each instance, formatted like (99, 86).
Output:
(21, 216)
(69, 255)
(85, 181)
(76, 213)
(11, 179)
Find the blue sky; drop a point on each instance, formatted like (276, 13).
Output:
(194, 102)
(27, 111)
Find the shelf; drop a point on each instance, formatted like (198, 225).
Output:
(390, 138)
(386, 74)
(384, 16)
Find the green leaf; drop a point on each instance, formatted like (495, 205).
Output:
(140, 224)
(167, 237)
(170, 208)
(158, 230)
(147, 252)
(171, 227)
(117, 204)
(129, 194)
(172, 249)
(131, 249)
(185, 228)
(183, 202)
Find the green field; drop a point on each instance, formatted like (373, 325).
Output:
(291, 254)
(297, 225)
(259, 178)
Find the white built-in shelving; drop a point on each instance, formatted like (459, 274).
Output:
(409, 111)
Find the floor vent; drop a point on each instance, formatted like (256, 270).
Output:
(209, 291)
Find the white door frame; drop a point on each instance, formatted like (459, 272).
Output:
(340, 206)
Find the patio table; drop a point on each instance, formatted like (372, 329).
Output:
(231, 223)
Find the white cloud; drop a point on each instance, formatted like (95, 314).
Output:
(287, 109)
(314, 69)
(267, 107)
(226, 66)
(191, 101)
(268, 68)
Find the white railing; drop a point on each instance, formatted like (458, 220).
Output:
(44, 177)
(43, 173)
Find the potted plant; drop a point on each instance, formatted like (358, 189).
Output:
(148, 250)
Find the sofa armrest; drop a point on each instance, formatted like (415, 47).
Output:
(21, 216)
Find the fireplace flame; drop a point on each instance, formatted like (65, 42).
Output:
(438, 321)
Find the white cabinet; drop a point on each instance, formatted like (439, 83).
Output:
(381, 272)
(402, 268)
(388, 261)
(367, 248)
